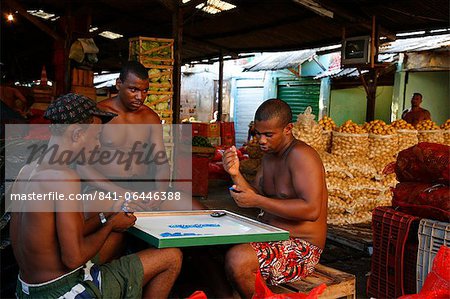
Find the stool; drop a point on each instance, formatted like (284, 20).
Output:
(339, 284)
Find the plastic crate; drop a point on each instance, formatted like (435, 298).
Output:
(394, 254)
(432, 235)
(227, 133)
(200, 176)
(199, 129)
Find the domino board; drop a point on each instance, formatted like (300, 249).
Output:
(198, 228)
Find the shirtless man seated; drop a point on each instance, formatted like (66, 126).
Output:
(14, 99)
(291, 192)
(52, 242)
(416, 114)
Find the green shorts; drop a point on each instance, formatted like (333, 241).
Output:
(121, 278)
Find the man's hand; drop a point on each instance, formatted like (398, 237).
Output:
(231, 161)
(144, 205)
(122, 221)
(244, 197)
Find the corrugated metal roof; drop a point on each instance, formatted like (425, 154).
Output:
(278, 61)
(284, 60)
(347, 72)
(352, 72)
(417, 44)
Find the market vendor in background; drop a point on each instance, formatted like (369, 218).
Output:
(291, 192)
(415, 114)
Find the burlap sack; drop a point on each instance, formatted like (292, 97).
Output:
(348, 145)
(406, 139)
(432, 136)
(382, 145)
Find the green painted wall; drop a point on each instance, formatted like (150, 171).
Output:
(351, 104)
(434, 86)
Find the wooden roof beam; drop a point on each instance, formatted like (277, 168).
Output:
(251, 29)
(316, 7)
(209, 46)
(356, 19)
(170, 4)
(192, 3)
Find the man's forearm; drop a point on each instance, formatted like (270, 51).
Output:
(94, 178)
(239, 180)
(93, 223)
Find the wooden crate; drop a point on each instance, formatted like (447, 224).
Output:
(152, 52)
(43, 94)
(157, 55)
(339, 284)
(82, 77)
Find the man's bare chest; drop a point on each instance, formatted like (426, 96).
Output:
(124, 135)
(277, 182)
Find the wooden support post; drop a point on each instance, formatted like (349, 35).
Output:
(371, 83)
(220, 91)
(177, 31)
(371, 94)
(372, 44)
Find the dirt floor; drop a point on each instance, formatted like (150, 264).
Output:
(335, 255)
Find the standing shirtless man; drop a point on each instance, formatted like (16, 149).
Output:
(291, 192)
(415, 114)
(52, 242)
(138, 128)
(135, 126)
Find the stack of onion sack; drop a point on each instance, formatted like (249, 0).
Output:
(328, 125)
(350, 140)
(308, 130)
(429, 131)
(383, 140)
(446, 131)
(250, 167)
(424, 175)
(407, 134)
(354, 188)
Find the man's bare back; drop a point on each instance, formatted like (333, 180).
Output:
(36, 231)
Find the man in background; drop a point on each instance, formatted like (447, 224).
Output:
(416, 114)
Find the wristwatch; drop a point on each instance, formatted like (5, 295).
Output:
(102, 218)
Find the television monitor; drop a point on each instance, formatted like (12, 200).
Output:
(355, 50)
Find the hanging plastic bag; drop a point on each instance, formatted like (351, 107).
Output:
(437, 283)
(84, 51)
(308, 130)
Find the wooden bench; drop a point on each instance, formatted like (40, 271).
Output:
(339, 284)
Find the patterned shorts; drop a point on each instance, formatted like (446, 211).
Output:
(286, 261)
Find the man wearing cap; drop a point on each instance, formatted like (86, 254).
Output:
(52, 242)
